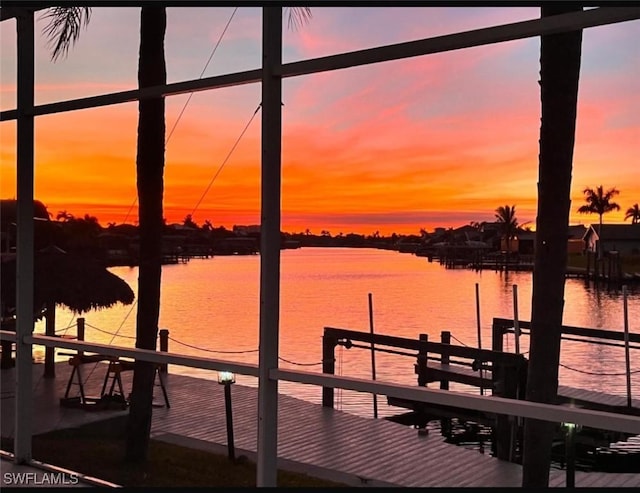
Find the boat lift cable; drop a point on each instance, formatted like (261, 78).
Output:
(215, 48)
(184, 107)
(458, 340)
(201, 75)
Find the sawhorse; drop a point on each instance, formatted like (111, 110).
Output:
(117, 366)
(77, 361)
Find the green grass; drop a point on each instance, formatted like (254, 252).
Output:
(97, 450)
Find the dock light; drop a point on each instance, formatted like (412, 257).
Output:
(227, 378)
(571, 427)
(570, 452)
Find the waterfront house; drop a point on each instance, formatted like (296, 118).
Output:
(623, 238)
(524, 242)
(576, 242)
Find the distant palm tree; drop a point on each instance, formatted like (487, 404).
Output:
(189, 222)
(64, 216)
(633, 213)
(506, 217)
(599, 202)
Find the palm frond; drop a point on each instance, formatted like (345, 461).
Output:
(63, 28)
(298, 16)
(633, 213)
(599, 201)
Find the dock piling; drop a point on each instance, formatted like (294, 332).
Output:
(516, 321)
(164, 346)
(422, 360)
(80, 334)
(373, 356)
(328, 366)
(479, 331)
(626, 344)
(445, 338)
(49, 352)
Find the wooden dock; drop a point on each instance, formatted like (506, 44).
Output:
(313, 439)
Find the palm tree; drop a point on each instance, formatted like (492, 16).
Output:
(63, 30)
(506, 217)
(559, 74)
(633, 213)
(64, 216)
(150, 183)
(599, 202)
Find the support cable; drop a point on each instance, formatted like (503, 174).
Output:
(184, 107)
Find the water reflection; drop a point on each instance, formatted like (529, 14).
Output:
(213, 304)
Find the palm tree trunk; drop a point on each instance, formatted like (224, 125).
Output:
(599, 244)
(559, 73)
(150, 169)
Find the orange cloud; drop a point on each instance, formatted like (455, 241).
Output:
(433, 141)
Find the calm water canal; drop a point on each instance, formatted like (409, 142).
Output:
(211, 306)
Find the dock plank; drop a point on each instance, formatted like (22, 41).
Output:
(353, 449)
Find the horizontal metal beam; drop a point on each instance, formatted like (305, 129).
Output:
(144, 354)
(546, 412)
(227, 80)
(499, 405)
(467, 39)
(8, 335)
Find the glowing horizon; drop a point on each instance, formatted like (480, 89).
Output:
(435, 141)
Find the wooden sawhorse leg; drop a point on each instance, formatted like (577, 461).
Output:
(113, 372)
(158, 373)
(76, 373)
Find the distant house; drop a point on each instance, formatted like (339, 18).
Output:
(524, 242)
(467, 233)
(576, 242)
(250, 230)
(623, 238)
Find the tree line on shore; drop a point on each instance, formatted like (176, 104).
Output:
(85, 234)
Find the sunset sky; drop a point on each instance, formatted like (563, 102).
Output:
(437, 140)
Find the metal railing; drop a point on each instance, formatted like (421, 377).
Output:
(525, 409)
